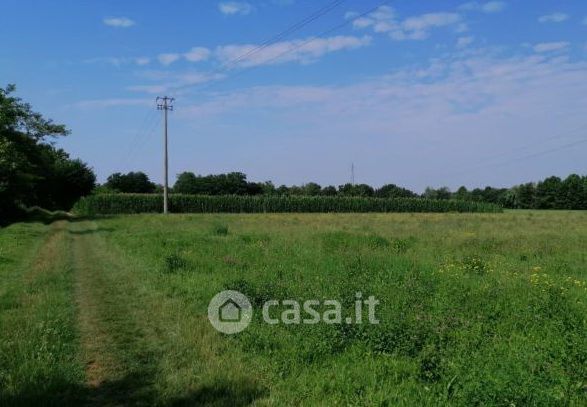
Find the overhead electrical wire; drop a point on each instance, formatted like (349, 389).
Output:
(528, 156)
(293, 48)
(234, 62)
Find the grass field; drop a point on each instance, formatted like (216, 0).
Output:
(476, 309)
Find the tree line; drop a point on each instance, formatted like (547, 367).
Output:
(34, 172)
(551, 193)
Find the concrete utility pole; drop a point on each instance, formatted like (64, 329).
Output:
(165, 103)
(353, 174)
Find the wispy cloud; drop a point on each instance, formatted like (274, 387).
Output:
(154, 89)
(385, 20)
(119, 61)
(197, 54)
(488, 7)
(551, 46)
(105, 103)
(173, 80)
(554, 18)
(168, 58)
(142, 61)
(119, 22)
(234, 7)
(463, 42)
(301, 50)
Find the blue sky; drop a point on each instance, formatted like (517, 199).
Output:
(413, 93)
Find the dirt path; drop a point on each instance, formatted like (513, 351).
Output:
(120, 364)
(140, 346)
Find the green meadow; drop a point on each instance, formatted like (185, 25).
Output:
(475, 309)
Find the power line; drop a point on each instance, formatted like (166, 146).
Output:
(291, 49)
(135, 141)
(146, 138)
(295, 27)
(525, 157)
(524, 147)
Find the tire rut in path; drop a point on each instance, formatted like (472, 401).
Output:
(120, 365)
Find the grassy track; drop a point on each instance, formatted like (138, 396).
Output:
(476, 309)
(38, 341)
(132, 345)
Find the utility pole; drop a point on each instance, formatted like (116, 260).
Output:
(165, 103)
(353, 174)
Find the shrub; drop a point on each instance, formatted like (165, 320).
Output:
(174, 263)
(110, 204)
(220, 230)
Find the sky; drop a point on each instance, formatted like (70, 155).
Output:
(427, 93)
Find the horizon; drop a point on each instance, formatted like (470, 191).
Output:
(416, 95)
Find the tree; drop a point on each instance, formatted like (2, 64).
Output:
(329, 191)
(186, 183)
(311, 189)
(356, 190)
(462, 194)
(440, 193)
(525, 196)
(233, 183)
(67, 182)
(548, 193)
(572, 192)
(33, 171)
(133, 182)
(393, 191)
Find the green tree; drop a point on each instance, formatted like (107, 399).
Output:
(356, 190)
(440, 193)
(548, 193)
(330, 190)
(32, 170)
(133, 182)
(393, 191)
(572, 192)
(312, 189)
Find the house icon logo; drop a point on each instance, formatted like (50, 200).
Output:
(230, 312)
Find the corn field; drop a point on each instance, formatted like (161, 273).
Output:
(110, 204)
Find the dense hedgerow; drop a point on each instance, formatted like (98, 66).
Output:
(151, 203)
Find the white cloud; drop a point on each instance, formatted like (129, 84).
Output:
(104, 103)
(384, 20)
(551, 46)
(488, 8)
(301, 50)
(197, 54)
(172, 80)
(118, 61)
(154, 89)
(120, 22)
(554, 18)
(142, 61)
(168, 59)
(418, 27)
(493, 7)
(234, 7)
(464, 42)
(461, 113)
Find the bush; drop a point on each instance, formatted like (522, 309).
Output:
(111, 204)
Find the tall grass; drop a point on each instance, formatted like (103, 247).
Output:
(150, 203)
